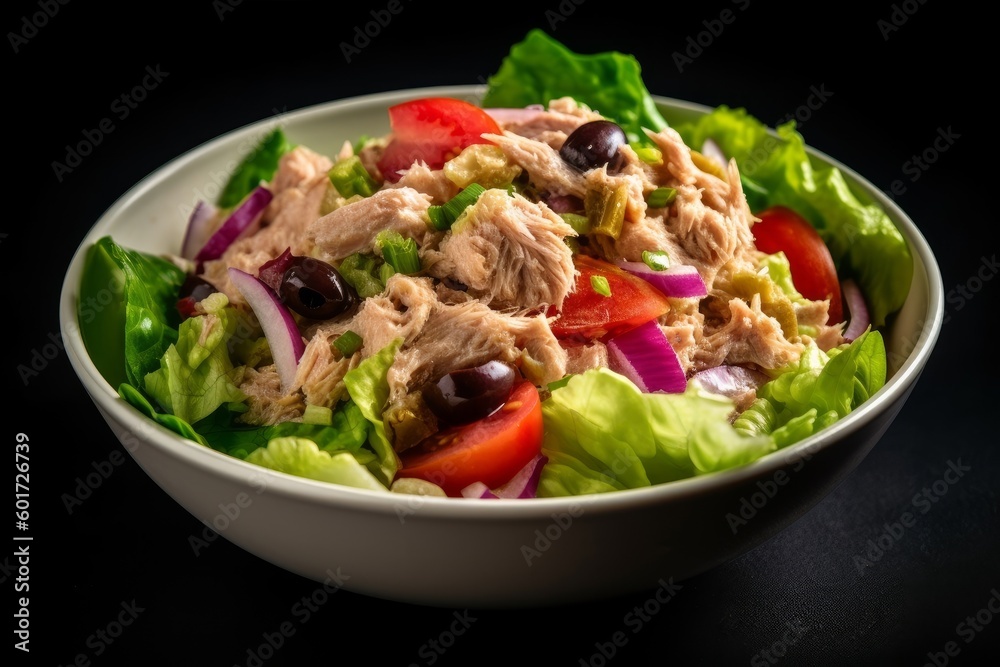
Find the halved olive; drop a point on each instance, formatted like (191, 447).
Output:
(314, 289)
(463, 396)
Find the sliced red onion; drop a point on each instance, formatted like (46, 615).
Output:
(645, 357)
(713, 151)
(522, 485)
(679, 281)
(858, 309)
(273, 270)
(478, 490)
(525, 483)
(279, 326)
(242, 219)
(198, 229)
(505, 115)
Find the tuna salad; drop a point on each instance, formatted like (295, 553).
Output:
(547, 291)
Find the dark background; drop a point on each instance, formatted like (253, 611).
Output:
(893, 87)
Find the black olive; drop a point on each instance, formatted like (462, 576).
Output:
(594, 145)
(463, 396)
(196, 287)
(314, 289)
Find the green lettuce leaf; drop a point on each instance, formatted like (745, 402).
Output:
(138, 400)
(348, 431)
(368, 388)
(303, 457)
(540, 69)
(860, 235)
(196, 375)
(816, 391)
(127, 310)
(602, 433)
(258, 165)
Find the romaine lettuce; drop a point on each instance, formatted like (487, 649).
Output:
(861, 237)
(602, 433)
(258, 165)
(196, 375)
(303, 457)
(127, 310)
(540, 69)
(368, 388)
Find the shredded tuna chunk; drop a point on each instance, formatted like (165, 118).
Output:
(320, 374)
(401, 311)
(265, 400)
(546, 169)
(749, 337)
(428, 181)
(582, 358)
(509, 251)
(352, 228)
(551, 126)
(710, 217)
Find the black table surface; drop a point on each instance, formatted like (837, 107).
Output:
(114, 581)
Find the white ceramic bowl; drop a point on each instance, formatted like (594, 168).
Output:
(470, 553)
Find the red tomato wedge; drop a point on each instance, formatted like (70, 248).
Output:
(813, 272)
(432, 129)
(491, 450)
(588, 315)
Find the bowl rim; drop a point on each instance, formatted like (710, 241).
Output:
(238, 471)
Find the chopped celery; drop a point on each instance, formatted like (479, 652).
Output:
(442, 217)
(606, 210)
(348, 343)
(401, 253)
(351, 178)
(661, 197)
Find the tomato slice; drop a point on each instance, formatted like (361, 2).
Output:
(814, 273)
(588, 315)
(432, 129)
(491, 450)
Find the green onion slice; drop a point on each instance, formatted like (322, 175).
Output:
(661, 197)
(444, 216)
